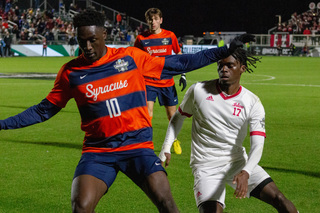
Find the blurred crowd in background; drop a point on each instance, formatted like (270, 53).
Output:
(34, 26)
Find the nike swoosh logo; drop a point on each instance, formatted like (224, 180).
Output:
(82, 77)
(158, 164)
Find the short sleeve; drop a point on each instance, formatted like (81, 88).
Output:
(175, 44)
(61, 92)
(148, 65)
(186, 107)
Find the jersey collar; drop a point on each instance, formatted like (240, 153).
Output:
(226, 97)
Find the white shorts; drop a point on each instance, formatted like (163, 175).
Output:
(210, 182)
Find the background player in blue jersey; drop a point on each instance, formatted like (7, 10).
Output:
(109, 88)
(160, 42)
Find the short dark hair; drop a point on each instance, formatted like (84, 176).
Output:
(246, 58)
(151, 12)
(89, 17)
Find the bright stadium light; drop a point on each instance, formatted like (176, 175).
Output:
(312, 5)
(279, 16)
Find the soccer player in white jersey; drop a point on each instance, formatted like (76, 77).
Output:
(222, 110)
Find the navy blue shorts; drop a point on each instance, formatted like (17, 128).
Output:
(166, 95)
(136, 164)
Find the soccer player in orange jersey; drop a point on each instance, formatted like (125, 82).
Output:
(108, 86)
(160, 42)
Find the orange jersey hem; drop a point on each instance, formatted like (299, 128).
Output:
(144, 145)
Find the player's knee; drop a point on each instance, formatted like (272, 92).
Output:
(80, 205)
(166, 205)
(279, 200)
(165, 202)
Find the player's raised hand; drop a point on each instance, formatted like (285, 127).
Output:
(239, 41)
(183, 82)
(245, 38)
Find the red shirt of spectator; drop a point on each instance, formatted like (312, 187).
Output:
(5, 24)
(49, 24)
(119, 18)
(290, 29)
(307, 31)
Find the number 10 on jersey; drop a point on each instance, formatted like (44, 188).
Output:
(113, 107)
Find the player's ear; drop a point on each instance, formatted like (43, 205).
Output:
(104, 34)
(243, 68)
(161, 19)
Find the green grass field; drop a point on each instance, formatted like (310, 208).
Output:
(37, 163)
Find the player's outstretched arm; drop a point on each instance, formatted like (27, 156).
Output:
(35, 114)
(173, 130)
(179, 64)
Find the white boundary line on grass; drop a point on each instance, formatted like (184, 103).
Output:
(268, 78)
(275, 84)
(291, 85)
(28, 75)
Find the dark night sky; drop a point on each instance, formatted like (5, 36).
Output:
(197, 16)
(193, 17)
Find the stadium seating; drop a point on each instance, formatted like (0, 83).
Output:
(31, 26)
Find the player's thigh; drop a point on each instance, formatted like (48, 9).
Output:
(157, 186)
(258, 180)
(170, 110)
(99, 165)
(210, 184)
(168, 96)
(210, 207)
(86, 191)
(152, 93)
(257, 177)
(95, 172)
(145, 170)
(150, 105)
(269, 192)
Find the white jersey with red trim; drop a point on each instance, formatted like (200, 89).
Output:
(220, 122)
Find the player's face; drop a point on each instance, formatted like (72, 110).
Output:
(154, 23)
(230, 70)
(92, 42)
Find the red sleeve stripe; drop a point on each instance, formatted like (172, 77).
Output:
(258, 133)
(184, 113)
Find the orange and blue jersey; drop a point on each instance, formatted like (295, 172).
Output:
(111, 95)
(161, 44)
(111, 98)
